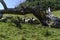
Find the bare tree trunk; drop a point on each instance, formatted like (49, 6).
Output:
(3, 3)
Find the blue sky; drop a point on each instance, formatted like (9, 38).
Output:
(11, 3)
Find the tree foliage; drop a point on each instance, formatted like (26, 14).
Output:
(54, 4)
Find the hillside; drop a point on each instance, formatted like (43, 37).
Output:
(9, 31)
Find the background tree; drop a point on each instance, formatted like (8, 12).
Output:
(54, 4)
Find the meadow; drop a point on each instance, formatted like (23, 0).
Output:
(9, 31)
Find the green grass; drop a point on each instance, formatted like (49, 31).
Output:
(57, 13)
(8, 31)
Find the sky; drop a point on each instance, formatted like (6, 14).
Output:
(11, 3)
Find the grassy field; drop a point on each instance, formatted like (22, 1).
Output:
(8, 31)
(57, 13)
